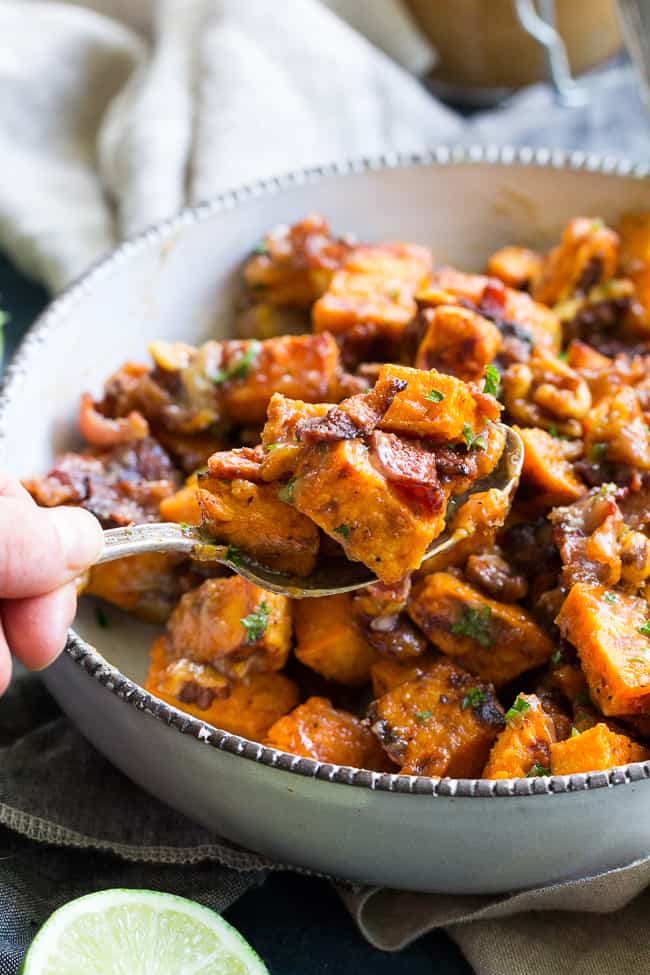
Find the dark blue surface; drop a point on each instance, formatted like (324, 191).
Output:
(297, 924)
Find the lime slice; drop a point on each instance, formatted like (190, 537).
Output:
(139, 932)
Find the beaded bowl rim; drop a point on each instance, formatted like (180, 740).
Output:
(90, 660)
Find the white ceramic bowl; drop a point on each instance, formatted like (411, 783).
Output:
(176, 282)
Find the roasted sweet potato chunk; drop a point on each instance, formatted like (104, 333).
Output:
(342, 491)
(243, 707)
(458, 341)
(418, 411)
(233, 626)
(515, 266)
(388, 673)
(252, 517)
(317, 730)
(147, 585)
(587, 255)
(375, 288)
(595, 749)
(329, 641)
(547, 470)
(615, 430)
(634, 232)
(523, 747)
(183, 506)
(442, 723)
(609, 632)
(496, 641)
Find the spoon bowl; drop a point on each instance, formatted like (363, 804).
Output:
(331, 575)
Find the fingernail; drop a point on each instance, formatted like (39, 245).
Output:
(81, 536)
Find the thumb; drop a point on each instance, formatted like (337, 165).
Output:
(43, 548)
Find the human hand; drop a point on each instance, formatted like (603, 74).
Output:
(42, 551)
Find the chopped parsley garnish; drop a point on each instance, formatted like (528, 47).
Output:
(423, 715)
(492, 381)
(261, 248)
(343, 530)
(597, 224)
(574, 731)
(557, 657)
(597, 451)
(286, 491)
(554, 432)
(583, 698)
(473, 442)
(645, 628)
(536, 770)
(607, 489)
(640, 660)
(394, 293)
(255, 623)
(519, 707)
(239, 368)
(610, 597)
(435, 396)
(184, 526)
(474, 623)
(233, 555)
(563, 356)
(473, 698)
(101, 618)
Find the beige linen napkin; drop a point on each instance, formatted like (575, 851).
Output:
(555, 930)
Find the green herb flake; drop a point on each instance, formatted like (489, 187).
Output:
(239, 368)
(597, 451)
(554, 432)
(394, 293)
(423, 715)
(644, 628)
(640, 660)
(435, 396)
(492, 381)
(536, 770)
(557, 657)
(597, 224)
(286, 491)
(102, 618)
(519, 707)
(563, 356)
(261, 248)
(583, 699)
(475, 623)
(343, 530)
(473, 442)
(255, 623)
(233, 555)
(610, 597)
(270, 447)
(574, 731)
(322, 447)
(473, 698)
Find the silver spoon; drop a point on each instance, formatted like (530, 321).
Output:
(331, 575)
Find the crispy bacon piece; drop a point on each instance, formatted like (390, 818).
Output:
(410, 467)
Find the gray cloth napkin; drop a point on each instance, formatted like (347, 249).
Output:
(134, 121)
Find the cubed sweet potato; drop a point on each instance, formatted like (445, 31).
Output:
(496, 641)
(387, 673)
(183, 506)
(375, 287)
(418, 411)
(586, 255)
(232, 625)
(317, 730)
(252, 517)
(329, 641)
(298, 366)
(458, 341)
(593, 750)
(523, 747)
(279, 436)
(442, 723)
(344, 494)
(608, 631)
(147, 585)
(505, 305)
(515, 266)
(243, 707)
(547, 470)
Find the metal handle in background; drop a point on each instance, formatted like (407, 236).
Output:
(634, 16)
(541, 25)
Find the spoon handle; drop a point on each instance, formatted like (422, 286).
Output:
(159, 537)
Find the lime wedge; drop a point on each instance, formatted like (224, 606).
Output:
(139, 932)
